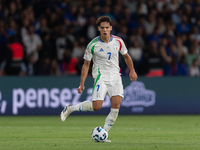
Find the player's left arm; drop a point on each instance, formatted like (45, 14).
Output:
(133, 76)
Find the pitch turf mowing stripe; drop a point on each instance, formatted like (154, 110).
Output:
(159, 132)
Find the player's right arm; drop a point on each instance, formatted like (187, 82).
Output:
(84, 73)
(87, 57)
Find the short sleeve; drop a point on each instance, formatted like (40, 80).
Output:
(88, 55)
(123, 50)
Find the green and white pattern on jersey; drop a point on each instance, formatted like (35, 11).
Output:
(98, 77)
(92, 50)
(93, 41)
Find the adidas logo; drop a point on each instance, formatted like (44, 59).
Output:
(101, 50)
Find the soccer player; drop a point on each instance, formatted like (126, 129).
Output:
(104, 51)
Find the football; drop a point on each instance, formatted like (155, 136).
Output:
(99, 134)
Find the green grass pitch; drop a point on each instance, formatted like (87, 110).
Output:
(132, 132)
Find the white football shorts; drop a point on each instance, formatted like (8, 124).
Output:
(111, 88)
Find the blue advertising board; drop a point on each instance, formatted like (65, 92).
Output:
(48, 95)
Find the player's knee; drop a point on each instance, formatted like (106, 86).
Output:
(116, 106)
(96, 105)
(95, 108)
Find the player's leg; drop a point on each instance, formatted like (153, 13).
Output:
(115, 92)
(98, 95)
(84, 106)
(112, 116)
(97, 104)
(87, 106)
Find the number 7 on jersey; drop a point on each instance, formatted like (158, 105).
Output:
(109, 53)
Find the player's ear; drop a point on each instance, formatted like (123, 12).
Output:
(98, 28)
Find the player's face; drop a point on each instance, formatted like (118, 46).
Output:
(105, 29)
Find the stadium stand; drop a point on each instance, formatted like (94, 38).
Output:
(163, 36)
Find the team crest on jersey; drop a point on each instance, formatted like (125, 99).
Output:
(115, 47)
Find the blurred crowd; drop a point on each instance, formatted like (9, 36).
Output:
(49, 37)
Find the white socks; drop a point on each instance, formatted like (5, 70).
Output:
(110, 120)
(87, 106)
(84, 106)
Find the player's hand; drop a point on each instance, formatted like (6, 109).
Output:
(81, 89)
(133, 76)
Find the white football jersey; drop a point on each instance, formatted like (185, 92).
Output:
(105, 56)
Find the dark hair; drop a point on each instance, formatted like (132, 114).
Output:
(103, 19)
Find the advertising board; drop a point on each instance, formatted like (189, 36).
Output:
(48, 95)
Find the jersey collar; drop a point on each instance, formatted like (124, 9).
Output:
(111, 38)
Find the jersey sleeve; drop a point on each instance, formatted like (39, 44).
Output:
(123, 49)
(88, 55)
